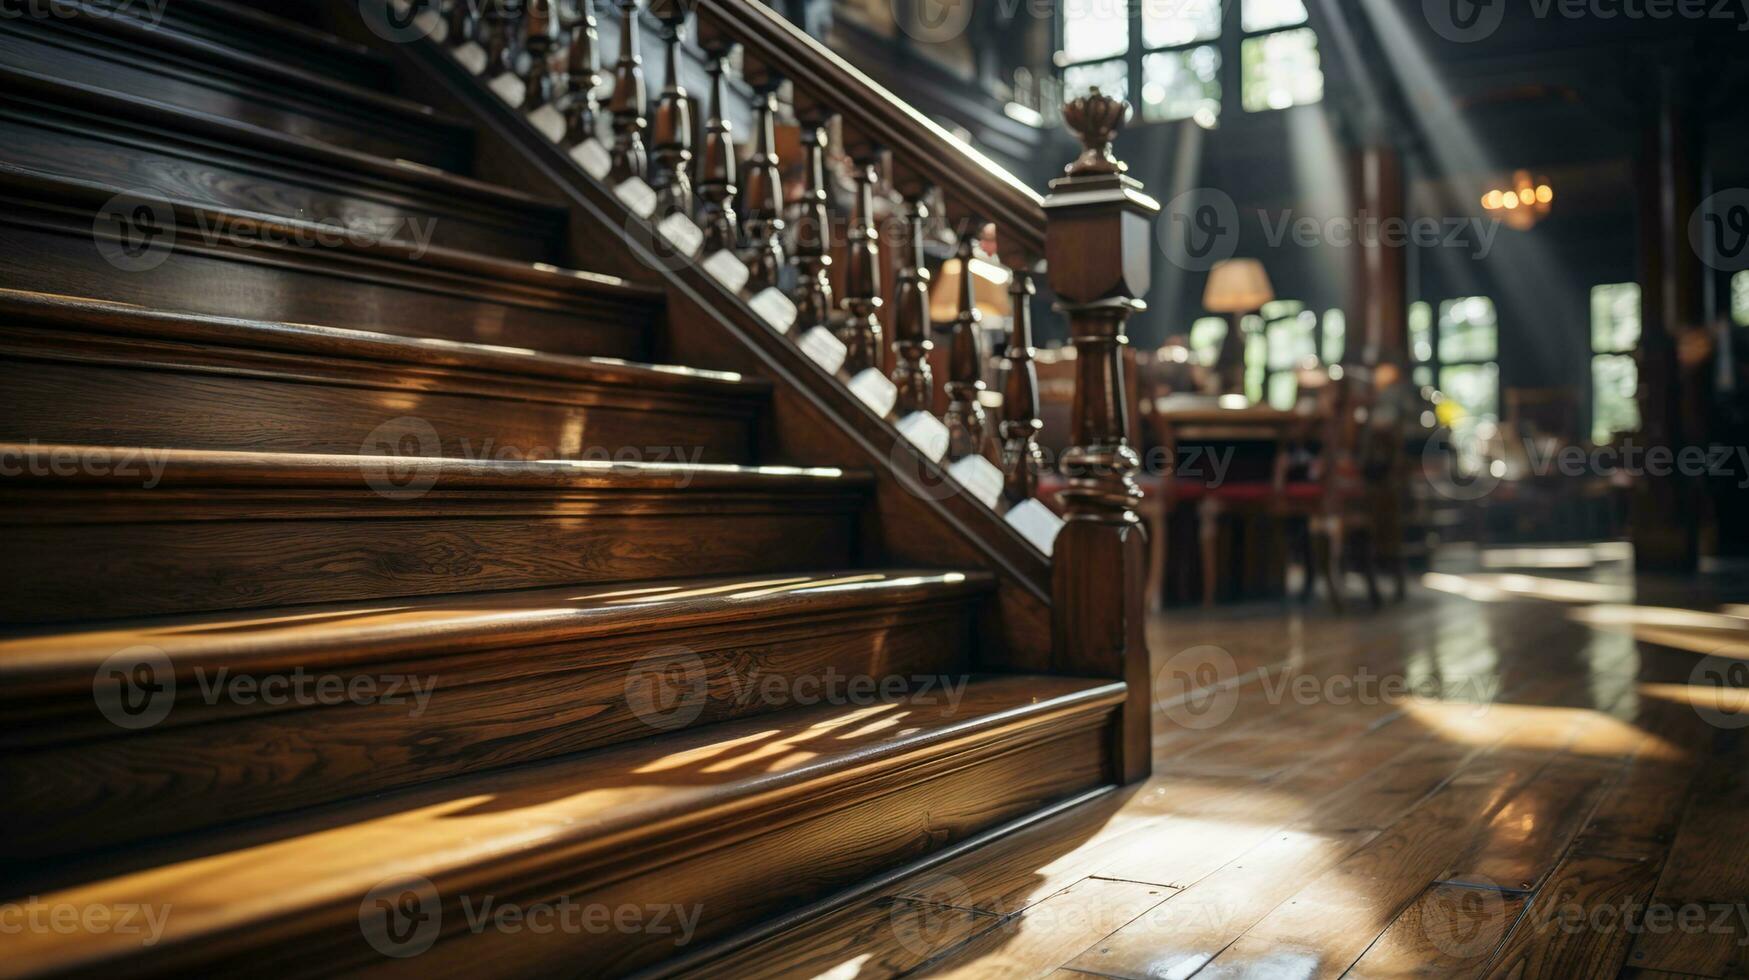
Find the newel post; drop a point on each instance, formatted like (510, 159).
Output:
(1097, 244)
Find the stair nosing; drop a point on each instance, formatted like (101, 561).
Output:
(575, 843)
(194, 123)
(65, 191)
(33, 464)
(341, 47)
(364, 345)
(59, 661)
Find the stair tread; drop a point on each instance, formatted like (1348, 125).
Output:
(233, 888)
(238, 469)
(160, 37)
(263, 20)
(69, 94)
(41, 661)
(40, 185)
(324, 341)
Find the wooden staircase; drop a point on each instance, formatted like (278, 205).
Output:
(373, 561)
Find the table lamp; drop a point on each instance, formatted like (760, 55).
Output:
(1236, 287)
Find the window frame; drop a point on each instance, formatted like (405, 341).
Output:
(1629, 351)
(1228, 45)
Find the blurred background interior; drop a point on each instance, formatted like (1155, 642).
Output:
(1430, 276)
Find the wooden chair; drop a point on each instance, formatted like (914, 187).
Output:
(1314, 488)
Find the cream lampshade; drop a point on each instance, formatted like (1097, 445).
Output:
(1237, 286)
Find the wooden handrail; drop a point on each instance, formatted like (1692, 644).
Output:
(969, 179)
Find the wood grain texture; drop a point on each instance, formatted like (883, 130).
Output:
(448, 687)
(1580, 923)
(758, 814)
(1451, 931)
(82, 371)
(1048, 934)
(137, 64)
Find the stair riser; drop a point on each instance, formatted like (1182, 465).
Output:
(318, 285)
(52, 49)
(727, 884)
(92, 150)
(287, 47)
(86, 784)
(290, 404)
(165, 551)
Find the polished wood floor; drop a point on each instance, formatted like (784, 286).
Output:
(1534, 767)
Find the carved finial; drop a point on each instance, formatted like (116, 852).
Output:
(1095, 119)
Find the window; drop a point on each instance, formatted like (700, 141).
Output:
(1421, 341)
(1289, 337)
(1206, 334)
(1615, 332)
(1468, 344)
(1740, 299)
(1179, 48)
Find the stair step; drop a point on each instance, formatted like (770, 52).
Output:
(479, 682)
(91, 372)
(728, 824)
(126, 54)
(268, 34)
(83, 132)
(180, 531)
(233, 262)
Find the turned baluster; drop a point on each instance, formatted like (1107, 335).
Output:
(500, 38)
(464, 23)
(582, 77)
(671, 130)
(540, 36)
(967, 428)
(911, 343)
(762, 187)
(716, 161)
(1020, 423)
(627, 103)
(861, 329)
(812, 233)
(1097, 249)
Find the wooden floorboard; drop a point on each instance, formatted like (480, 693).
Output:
(1538, 781)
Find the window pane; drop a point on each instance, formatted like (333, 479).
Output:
(1421, 331)
(1182, 85)
(1206, 334)
(1267, 15)
(1335, 335)
(1423, 376)
(1613, 409)
(1292, 340)
(1281, 70)
(1615, 317)
(1095, 29)
(1475, 387)
(1740, 299)
(1468, 330)
(1283, 389)
(1256, 351)
(1111, 78)
(1170, 23)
